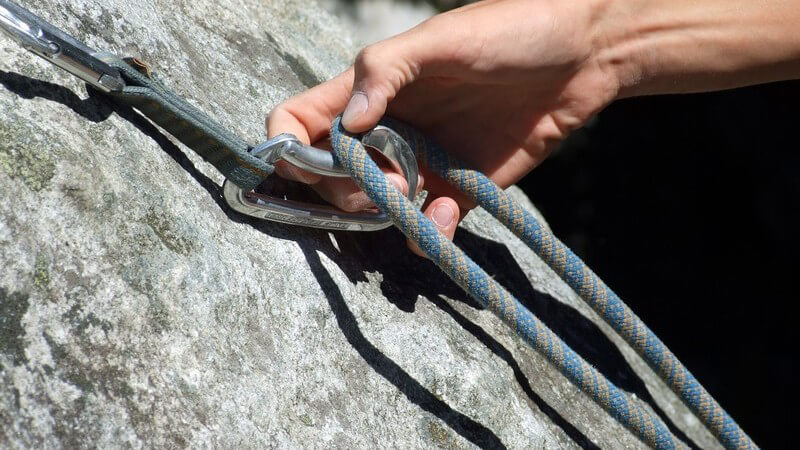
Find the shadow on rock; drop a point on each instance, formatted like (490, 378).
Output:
(405, 278)
(503, 353)
(97, 108)
(580, 333)
(390, 370)
(94, 109)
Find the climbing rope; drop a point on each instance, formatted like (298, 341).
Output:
(350, 153)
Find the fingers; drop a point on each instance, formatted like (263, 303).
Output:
(308, 116)
(445, 214)
(381, 70)
(344, 194)
(361, 93)
(290, 172)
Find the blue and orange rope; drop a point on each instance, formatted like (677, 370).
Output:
(350, 154)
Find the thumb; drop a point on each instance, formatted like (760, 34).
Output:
(445, 214)
(381, 71)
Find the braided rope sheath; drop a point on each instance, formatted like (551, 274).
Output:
(350, 153)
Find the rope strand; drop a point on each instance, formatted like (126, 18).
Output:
(350, 153)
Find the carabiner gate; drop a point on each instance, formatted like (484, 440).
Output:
(288, 148)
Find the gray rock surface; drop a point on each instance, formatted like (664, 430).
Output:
(137, 310)
(374, 20)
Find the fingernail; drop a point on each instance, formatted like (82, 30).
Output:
(357, 106)
(442, 215)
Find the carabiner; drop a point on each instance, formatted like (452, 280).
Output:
(39, 37)
(57, 47)
(28, 35)
(288, 148)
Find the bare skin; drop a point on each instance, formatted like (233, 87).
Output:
(499, 83)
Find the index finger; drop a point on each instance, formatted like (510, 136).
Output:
(309, 115)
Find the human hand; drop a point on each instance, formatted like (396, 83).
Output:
(500, 82)
(496, 83)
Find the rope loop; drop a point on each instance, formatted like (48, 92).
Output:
(350, 154)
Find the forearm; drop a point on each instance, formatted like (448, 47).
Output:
(670, 46)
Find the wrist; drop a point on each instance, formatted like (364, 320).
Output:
(672, 46)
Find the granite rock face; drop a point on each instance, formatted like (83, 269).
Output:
(370, 21)
(137, 310)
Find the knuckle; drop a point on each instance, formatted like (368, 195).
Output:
(276, 114)
(368, 57)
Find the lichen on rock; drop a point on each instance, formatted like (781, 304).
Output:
(21, 157)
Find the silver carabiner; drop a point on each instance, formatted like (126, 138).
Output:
(287, 147)
(27, 34)
(43, 39)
